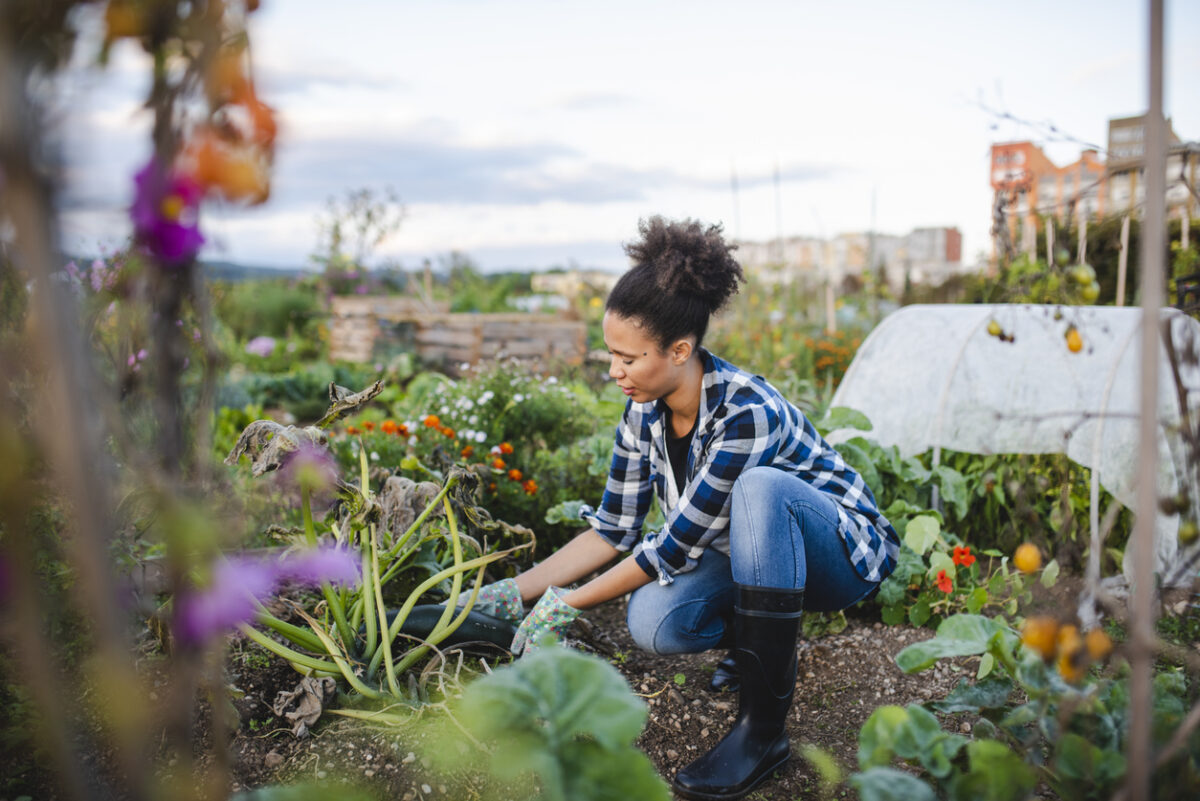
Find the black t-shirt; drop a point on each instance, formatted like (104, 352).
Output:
(677, 453)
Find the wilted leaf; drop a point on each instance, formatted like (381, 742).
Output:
(344, 401)
(268, 444)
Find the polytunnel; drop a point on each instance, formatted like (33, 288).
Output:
(933, 377)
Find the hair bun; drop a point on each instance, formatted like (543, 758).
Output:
(689, 258)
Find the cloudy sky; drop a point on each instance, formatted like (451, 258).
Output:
(530, 134)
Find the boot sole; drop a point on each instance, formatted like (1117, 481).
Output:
(696, 795)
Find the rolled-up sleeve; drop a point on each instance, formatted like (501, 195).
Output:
(746, 439)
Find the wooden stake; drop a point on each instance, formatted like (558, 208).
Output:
(1082, 238)
(1050, 240)
(1183, 228)
(830, 311)
(1122, 261)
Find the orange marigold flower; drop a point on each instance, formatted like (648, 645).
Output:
(506, 448)
(368, 425)
(432, 421)
(388, 426)
(943, 582)
(530, 487)
(448, 432)
(402, 430)
(351, 430)
(491, 486)
(498, 463)
(467, 451)
(962, 556)
(515, 474)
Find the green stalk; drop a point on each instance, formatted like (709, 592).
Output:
(302, 637)
(363, 606)
(295, 657)
(437, 636)
(331, 598)
(386, 644)
(343, 665)
(310, 530)
(439, 632)
(425, 585)
(441, 496)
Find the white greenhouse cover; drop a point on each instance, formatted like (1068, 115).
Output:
(931, 376)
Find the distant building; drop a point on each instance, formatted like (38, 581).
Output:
(924, 255)
(1033, 187)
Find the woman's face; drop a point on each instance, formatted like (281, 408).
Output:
(642, 371)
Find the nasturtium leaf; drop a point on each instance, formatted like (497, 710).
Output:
(954, 489)
(977, 600)
(921, 533)
(995, 773)
(921, 739)
(565, 512)
(843, 417)
(1050, 573)
(877, 739)
(889, 784)
(939, 561)
(919, 613)
(892, 615)
(990, 693)
(591, 775)
(1085, 766)
(891, 590)
(857, 454)
(987, 663)
(960, 635)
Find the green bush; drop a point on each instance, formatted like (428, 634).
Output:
(275, 308)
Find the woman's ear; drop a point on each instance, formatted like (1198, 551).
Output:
(681, 350)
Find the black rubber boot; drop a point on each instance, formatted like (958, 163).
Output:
(725, 676)
(766, 623)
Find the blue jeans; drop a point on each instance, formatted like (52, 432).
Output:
(779, 526)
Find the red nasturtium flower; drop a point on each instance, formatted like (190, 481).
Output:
(388, 426)
(432, 421)
(506, 448)
(962, 556)
(943, 581)
(515, 474)
(498, 463)
(530, 487)
(467, 451)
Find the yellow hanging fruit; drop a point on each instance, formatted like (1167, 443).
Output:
(1099, 645)
(1040, 634)
(1028, 558)
(994, 328)
(1074, 340)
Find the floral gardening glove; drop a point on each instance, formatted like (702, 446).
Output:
(551, 617)
(501, 599)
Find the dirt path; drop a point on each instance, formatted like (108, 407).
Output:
(842, 678)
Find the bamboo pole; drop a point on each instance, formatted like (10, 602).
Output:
(1184, 225)
(1151, 284)
(1082, 235)
(1122, 261)
(1050, 239)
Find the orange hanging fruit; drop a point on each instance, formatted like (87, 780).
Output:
(1074, 340)
(1040, 634)
(1028, 558)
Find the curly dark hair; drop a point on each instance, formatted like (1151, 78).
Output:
(683, 272)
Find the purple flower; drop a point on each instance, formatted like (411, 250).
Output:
(309, 467)
(164, 213)
(335, 565)
(261, 346)
(241, 582)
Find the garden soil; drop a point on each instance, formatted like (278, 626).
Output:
(841, 679)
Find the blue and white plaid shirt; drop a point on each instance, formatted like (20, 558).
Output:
(744, 422)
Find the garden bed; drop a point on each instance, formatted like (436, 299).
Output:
(842, 678)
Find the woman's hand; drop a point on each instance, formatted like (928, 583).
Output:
(548, 621)
(500, 599)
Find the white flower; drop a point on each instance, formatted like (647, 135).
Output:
(518, 398)
(486, 396)
(465, 366)
(495, 451)
(552, 379)
(444, 410)
(374, 456)
(480, 436)
(473, 419)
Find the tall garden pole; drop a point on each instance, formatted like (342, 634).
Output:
(1153, 244)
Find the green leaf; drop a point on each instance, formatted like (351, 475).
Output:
(959, 635)
(856, 453)
(939, 561)
(992, 552)
(680, 679)
(1050, 573)
(1086, 766)
(892, 590)
(921, 739)
(919, 614)
(977, 600)
(996, 773)
(843, 417)
(990, 693)
(596, 775)
(921, 533)
(877, 739)
(954, 490)
(987, 663)
(984, 729)
(565, 512)
(892, 615)
(889, 784)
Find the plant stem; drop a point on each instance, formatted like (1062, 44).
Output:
(295, 657)
(302, 637)
(370, 572)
